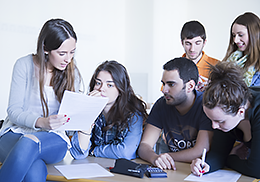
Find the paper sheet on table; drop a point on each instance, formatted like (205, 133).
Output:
(217, 176)
(76, 171)
(81, 109)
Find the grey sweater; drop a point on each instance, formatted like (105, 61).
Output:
(21, 86)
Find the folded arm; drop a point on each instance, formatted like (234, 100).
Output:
(80, 145)
(127, 148)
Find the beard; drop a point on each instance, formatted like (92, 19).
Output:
(177, 99)
(197, 56)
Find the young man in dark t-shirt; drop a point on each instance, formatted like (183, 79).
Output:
(180, 115)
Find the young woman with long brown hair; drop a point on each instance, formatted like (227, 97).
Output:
(27, 138)
(117, 131)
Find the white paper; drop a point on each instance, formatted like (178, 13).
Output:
(217, 176)
(77, 171)
(81, 109)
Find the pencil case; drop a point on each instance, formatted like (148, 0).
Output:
(127, 167)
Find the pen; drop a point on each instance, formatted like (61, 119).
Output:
(203, 159)
(109, 168)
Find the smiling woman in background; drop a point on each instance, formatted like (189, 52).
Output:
(118, 129)
(27, 139)
(244, 46)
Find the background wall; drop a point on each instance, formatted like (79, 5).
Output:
(140, 34)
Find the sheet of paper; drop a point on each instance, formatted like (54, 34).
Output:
(217, 176)
(81, 109)
(76, 171)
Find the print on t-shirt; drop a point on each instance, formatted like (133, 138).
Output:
(181, 139)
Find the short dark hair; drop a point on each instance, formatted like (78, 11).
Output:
(187, 69)
(193, 29)
(227, 88)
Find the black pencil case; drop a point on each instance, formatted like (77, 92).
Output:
(127, 167)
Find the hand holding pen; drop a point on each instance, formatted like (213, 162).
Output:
(198, 166)
(203, 161)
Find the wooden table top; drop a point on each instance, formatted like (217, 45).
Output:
(183, 170)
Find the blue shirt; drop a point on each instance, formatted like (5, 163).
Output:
(112, 144)
(255, 80)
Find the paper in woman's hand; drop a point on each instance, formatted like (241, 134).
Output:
(81, 109)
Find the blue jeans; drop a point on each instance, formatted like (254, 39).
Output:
(25, 159)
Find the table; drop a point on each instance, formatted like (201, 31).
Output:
(183, 170)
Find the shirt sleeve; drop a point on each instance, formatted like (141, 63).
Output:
(21, 77)
(205, 123)
(222, 144)
(75, 150)
(249, 167)
(198, 114)
(256, 79)
(127, 148)
(155, 117)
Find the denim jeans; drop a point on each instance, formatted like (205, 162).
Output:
(25, 159)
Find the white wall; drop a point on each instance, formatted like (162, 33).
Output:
(141, 34)
(99, 24)
(169, 17)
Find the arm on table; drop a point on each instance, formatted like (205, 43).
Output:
(250, 166)
(146, 151)
(221, 146)
(80, 144)
(127, 148)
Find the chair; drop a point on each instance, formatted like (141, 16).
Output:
(1, 123)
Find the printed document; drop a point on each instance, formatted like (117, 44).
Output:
(81, 109)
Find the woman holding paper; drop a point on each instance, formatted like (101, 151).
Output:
(234, 110)
(39, 80)
(117, 130)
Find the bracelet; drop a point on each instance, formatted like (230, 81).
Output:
(84, 133)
